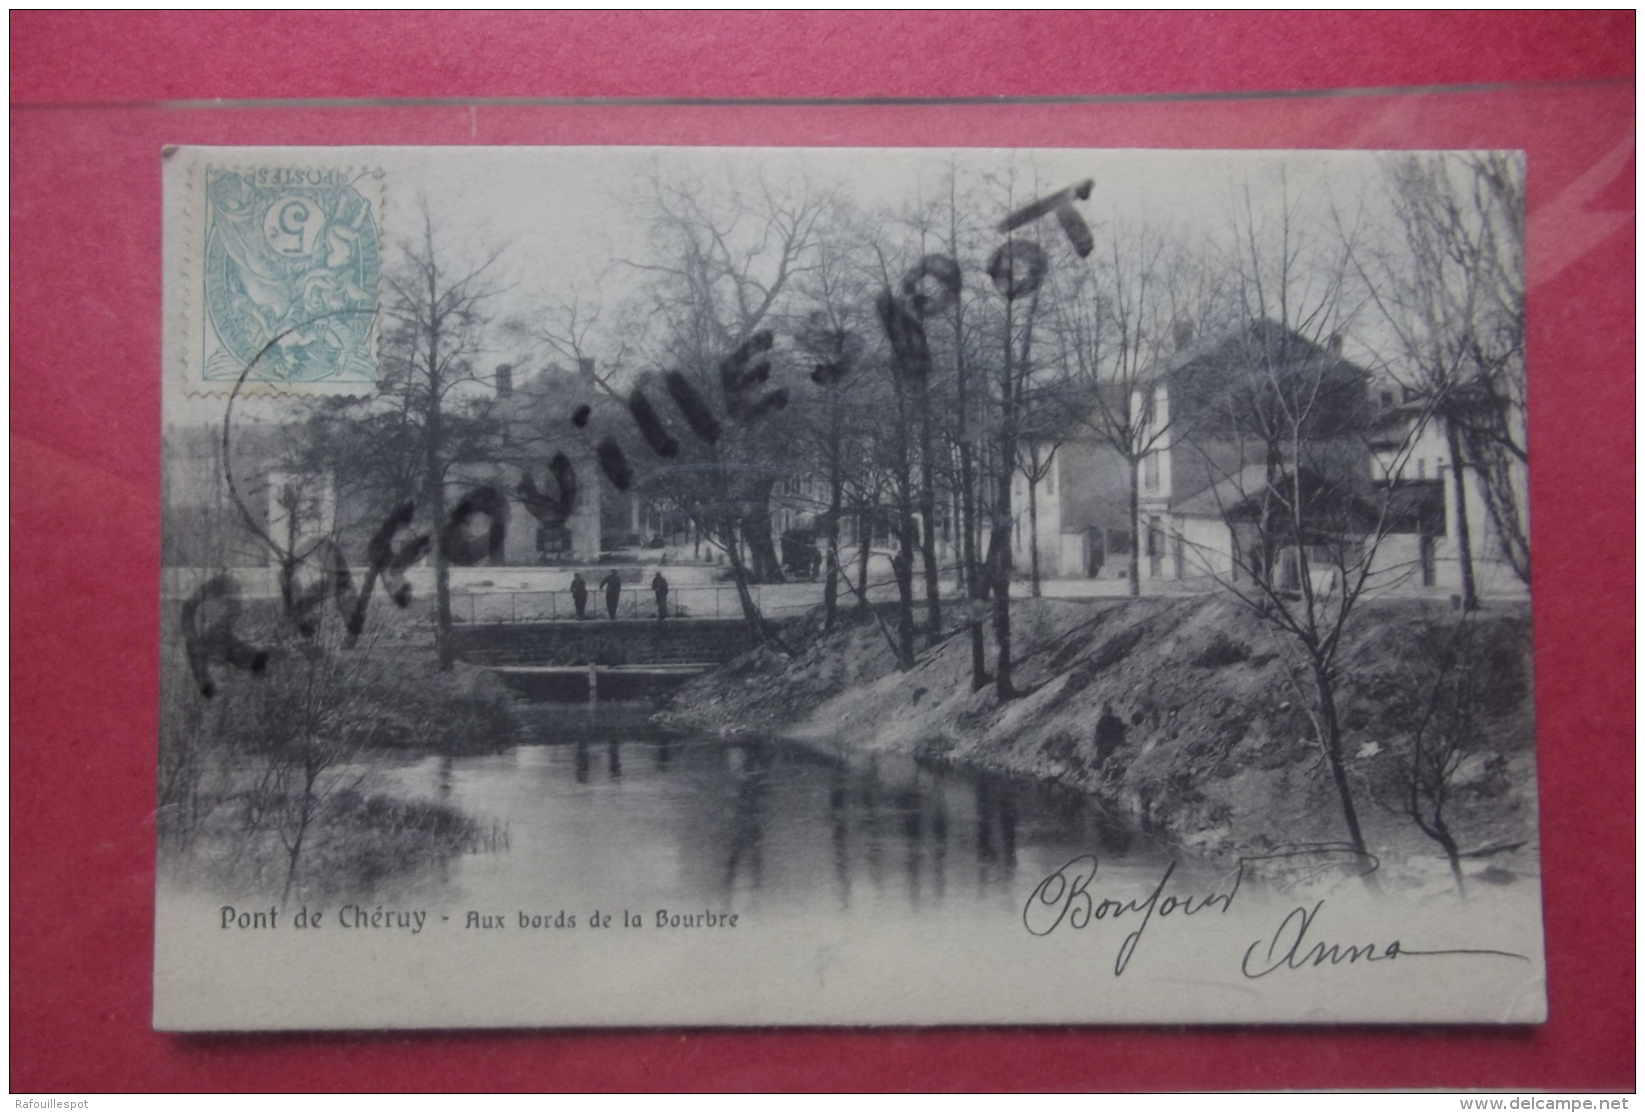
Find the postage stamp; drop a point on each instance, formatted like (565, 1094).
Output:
(663, 586)
(289, 272)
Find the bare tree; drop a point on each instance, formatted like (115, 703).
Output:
(830, 343)
(1452, 676)
(1119, 323)
(1018, 268)
(834, 336)
(1042, 437)
(965, 449)
(1453, 293)
(910, 369)
(1011, 382)
(313, 719)
(394, 451)
(925, 288)
(1303, 521)
(723, 263)
(437, 315)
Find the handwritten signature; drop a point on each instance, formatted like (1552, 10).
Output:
(1064, 899)
(1287, 950)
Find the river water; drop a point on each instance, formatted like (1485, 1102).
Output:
(863, 890)
(603, 808)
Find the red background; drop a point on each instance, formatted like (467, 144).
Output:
(85, 305)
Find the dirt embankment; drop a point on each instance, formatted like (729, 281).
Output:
(1205, 735)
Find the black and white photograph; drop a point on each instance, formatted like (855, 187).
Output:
(635, 586)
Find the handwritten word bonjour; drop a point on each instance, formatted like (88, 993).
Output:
(1065, 898)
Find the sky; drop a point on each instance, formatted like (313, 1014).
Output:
(564, 216)
(560, 207)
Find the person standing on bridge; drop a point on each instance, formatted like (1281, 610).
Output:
(659, 585)
(579, 595)
(613, 585)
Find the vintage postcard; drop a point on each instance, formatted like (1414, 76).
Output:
(665, 586)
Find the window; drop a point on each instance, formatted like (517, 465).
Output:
(1150, 471)
(1051, 480)
(1422, 469)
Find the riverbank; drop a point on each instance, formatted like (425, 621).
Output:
(1206, 741)
(267, 784)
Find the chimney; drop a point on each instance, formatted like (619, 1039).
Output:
(1182, 333)
(585, 367)
(505, 379)
(1335, 343)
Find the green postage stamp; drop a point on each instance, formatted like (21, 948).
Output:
(288, 273)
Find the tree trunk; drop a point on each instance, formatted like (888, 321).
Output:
(442, 599)
(1465, 555)
(1442, 834)
(758, 631)
(903, 565)
(999, 543)
(1133, 557)
(968, 512)
(434, 480)
(831, 582)
(904, 571)
(756, 529)
(967, 549)
(296, 850)
(1033, 534)
(999, 546)
(1331, 730)
(928, 512)
(864, 536)
(836, 501)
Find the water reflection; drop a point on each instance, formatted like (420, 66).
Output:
(682, 821)
(839, 825)
(750, 767)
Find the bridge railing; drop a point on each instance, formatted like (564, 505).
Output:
(717, 601)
